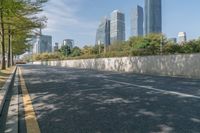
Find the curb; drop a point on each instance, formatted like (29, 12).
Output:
(4, 90)
(13, 110)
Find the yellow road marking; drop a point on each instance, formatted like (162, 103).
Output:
(30, 116)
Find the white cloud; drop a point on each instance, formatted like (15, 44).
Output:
(63, 19)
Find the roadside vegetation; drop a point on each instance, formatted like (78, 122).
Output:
(153, 44)
(4, 75)
(18, 20)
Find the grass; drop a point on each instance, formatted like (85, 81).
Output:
(4, 75)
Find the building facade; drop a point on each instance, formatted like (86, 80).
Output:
(103, 32)
(117, 26)
(56, 47)
(69, 43)
(137, 19)
(42, 44)
(45, 44)
(34, 43)
(153, 16)
(182, 37)
(172, 40)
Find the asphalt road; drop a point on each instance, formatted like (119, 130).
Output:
(87, 101)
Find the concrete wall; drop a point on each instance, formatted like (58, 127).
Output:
(186, 65)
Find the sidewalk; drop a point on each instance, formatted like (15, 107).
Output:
(6, 83)
(4, 75)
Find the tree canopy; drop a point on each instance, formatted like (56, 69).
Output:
(18, 19)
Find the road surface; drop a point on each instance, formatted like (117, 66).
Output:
(67, 100)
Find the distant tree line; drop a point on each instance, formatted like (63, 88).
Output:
(18, 19)
(153, 44)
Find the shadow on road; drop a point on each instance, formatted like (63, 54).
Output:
(82, 101)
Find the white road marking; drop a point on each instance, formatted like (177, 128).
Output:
(154, 89)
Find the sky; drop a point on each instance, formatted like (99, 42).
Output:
(79, 19)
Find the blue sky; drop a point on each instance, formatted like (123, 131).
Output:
(79, 19)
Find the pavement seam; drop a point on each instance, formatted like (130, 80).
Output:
(32, 125)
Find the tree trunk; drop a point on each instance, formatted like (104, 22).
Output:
(11, 52)
(9, 47)
(12, 55)
(3, 62)
(12, 59)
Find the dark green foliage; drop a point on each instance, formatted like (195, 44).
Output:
(76, 51)
(65, 50)
(171, 49)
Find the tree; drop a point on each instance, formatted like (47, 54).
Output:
(98, 49)
(76, 51)
(18, 16)
(149, 44)
(87, 50)
(65, 50)
(194, 46)
(2, 27)
(171, 48)
(137, 42)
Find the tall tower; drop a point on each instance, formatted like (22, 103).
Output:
(103, 32)
(117, 26)
(137, 21)
(182, 38)
(153, 16)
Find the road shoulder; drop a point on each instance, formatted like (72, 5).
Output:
(12, 118)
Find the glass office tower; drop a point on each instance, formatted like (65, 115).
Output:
(103, 32)
(117, 26)
(45, 44)
(42, 44)
(153, 16)
(137, 21)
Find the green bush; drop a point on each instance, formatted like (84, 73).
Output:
(135, 46)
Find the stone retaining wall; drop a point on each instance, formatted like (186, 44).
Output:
(185, 65)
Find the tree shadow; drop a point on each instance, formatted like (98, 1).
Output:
(83, 101)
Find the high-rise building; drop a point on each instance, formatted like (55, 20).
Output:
(35, 44)
(69, 43)
(137, 20)
(42, 44)
(45, 44)
(182, 37)
(117, 26)
(153, 16)
(103, 32)
(55, 49)
(172, 40)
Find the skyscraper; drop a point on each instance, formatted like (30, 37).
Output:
(42, 44)
(69, 43)
(103, 32)
(172, 40)
(137, 21)
(117, 24)
(55, 48)
(35, 40)
(182, 38)
(45, 44)
(153, 16)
